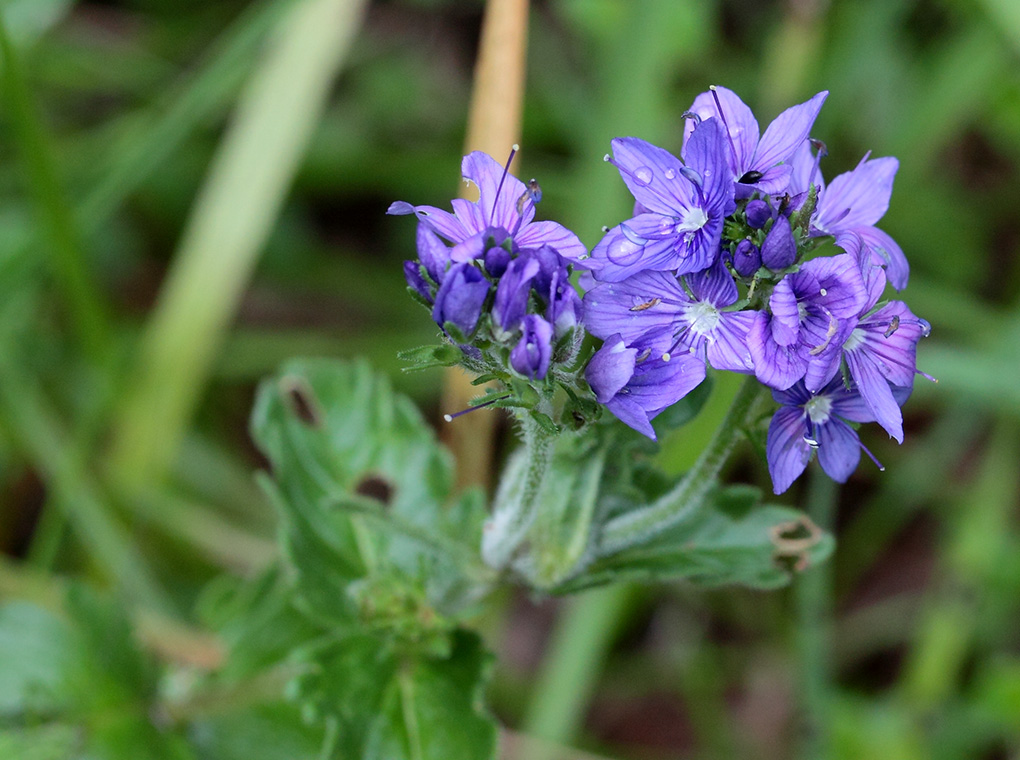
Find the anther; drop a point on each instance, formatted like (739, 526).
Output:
(894, 325)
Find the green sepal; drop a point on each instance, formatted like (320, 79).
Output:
(426, 357)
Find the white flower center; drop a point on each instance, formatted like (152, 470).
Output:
(818, 409)
(856, 338)
(704, 318)
(694, 219)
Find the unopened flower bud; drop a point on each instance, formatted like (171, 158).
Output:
(779, 249)
(757, 213)
(746, 258)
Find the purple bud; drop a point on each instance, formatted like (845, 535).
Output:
(747, 258)
(496, 260)
(757, 213)
(513, 290)
(412, 273)
(779, 249)
(530, 357)
(460, 297)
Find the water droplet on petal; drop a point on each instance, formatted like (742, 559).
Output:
(643, 175)
(670, 174)
(925, 327)
(623, 252)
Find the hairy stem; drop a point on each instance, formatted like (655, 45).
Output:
(518, 497)
(688, 495)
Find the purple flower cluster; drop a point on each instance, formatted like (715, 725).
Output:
(715, 269)
(498, 281)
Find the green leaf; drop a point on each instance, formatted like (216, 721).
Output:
(335, 433)
(732, 539)
(387, 703)
(36, 648)
(49, 742)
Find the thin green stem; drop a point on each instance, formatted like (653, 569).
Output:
(584, 632)
(688, 495)
(88, 312)
(813, 640)
(518, 498)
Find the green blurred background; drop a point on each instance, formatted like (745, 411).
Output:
(191, 192)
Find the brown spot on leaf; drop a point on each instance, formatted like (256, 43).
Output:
(375, 487)
(301, 400)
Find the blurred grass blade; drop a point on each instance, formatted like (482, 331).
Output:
(88, 313)
(153, 136)
(232, 216)
(26, 20)
(38, 430)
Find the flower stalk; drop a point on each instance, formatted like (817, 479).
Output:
(517, 501)
(688, 495)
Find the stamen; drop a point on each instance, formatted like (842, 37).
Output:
(722, 118)
(872, 457)
(451, 417)
(506, 170)
(640, 358)
(829, 333)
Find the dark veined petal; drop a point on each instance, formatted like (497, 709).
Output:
(887, 252)
(442, 222)
(786, 310)
(714, 285)
(630, 412)
(623, 252)
(556, 236)
(739, 120)
(776, 366)
(786, 450)
(889, 337)
(460, 297)
(857, 198)
(787, 132)
(707, 153)
(841, 288)
(877, 394)
(497, 204)
(432, 253)
(610, 369)
(659, 384)
(643, 302)
(839, 449)
(727, 346)
(654, 176)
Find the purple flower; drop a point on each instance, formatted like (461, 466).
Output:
(505, 205)
(682, 207)
(813, 312)
(807, 422)
(636, 384)
(531, 356)
(460, 298)
(853, 203)
(758, 163)
(881, 353)
(655, 303)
